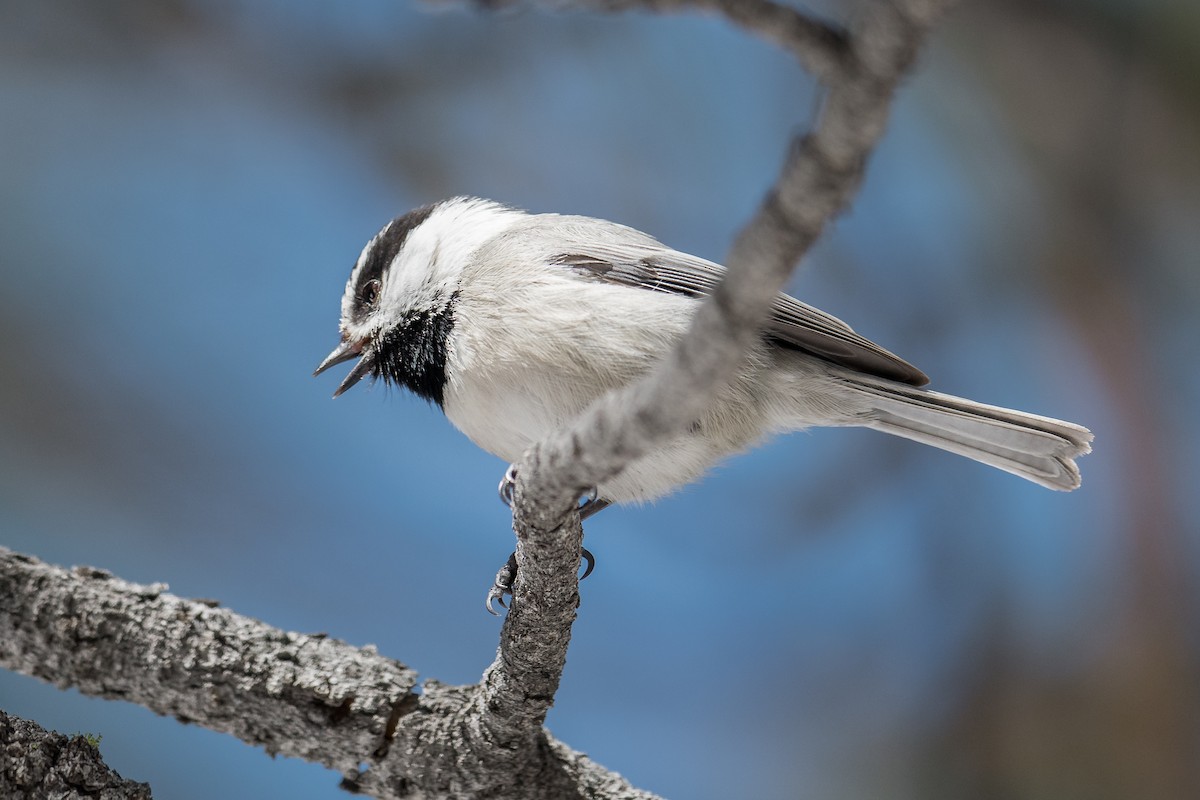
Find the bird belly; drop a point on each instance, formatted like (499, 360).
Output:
(505, 419)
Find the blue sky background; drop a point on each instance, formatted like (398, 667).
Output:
(185, 185)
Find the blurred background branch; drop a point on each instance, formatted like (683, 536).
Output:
(819, 46)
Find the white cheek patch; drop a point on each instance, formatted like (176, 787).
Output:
(412, 274)
(431, 262)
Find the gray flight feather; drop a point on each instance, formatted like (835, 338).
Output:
(793, 324)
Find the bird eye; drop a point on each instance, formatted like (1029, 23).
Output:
(370, 292)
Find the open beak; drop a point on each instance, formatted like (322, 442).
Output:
(344, 352)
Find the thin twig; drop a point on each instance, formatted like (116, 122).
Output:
(819, 46)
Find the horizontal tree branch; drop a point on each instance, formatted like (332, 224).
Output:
(294, 694)
(301, 695)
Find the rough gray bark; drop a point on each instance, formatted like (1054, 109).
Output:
(296, 694)
(36, 763)
(322, 700)
(301, 695)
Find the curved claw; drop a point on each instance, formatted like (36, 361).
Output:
(508, 485)
(502, 585)
(506, 575)
(495, 594)
(593, 505)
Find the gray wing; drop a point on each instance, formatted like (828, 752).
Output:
(793, 324)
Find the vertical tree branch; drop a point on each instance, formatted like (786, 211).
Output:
(823, 169)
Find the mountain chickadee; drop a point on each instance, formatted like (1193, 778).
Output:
(513, 323)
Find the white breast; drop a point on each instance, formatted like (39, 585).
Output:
(531, 352)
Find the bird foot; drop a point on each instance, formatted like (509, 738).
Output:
(591, 505)
(507, 575)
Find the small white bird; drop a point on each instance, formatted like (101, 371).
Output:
(513, 323)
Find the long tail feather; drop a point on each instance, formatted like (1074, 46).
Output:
(1036, 448)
